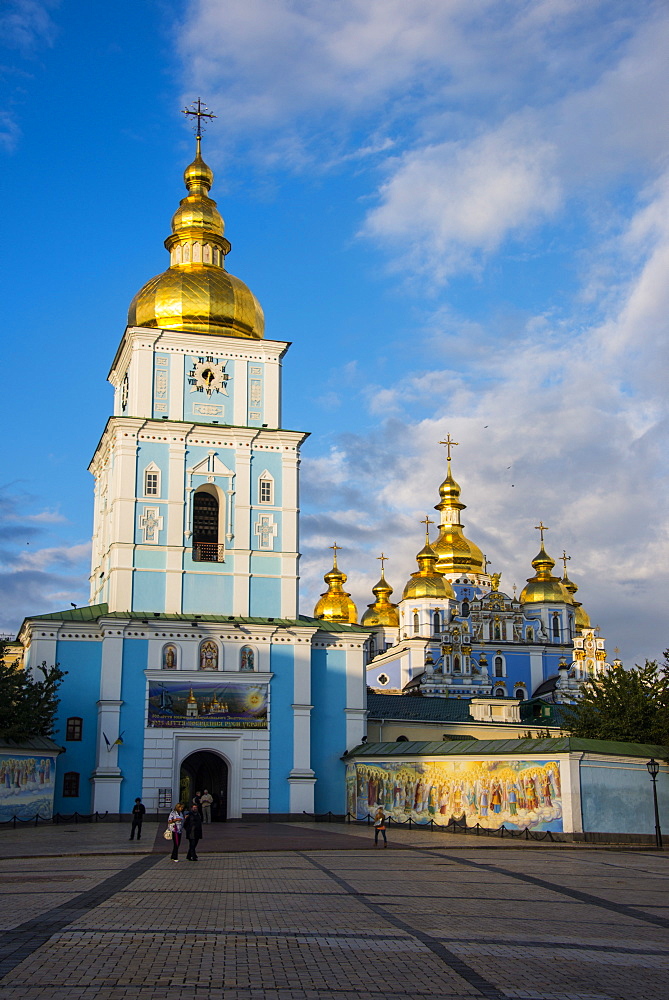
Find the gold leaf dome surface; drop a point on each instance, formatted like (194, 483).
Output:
(382, 611)
(196, 294)
(427, 581)
(455, 552)
(581, 616)
(335, 605)
(543, 587)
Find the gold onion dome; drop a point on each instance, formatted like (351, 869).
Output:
(428, 581)
(196, 294)
(335, 605)
(543, 586)
(456, 553)
(382, 611)
(581, 616)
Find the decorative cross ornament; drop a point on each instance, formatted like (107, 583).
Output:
(565, 559)
(449, 443)
(151, 524)
(199, 111)
(266, 530)
(541, 527)
(427, 522)
(336, 548)
(384, 560)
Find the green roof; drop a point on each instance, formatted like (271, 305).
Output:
(93, 612)
(32, 744)
(412, 708)
(522, 747)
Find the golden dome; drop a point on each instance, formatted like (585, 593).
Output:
(581, 617)
(196, 294)
(335, 605)
(382, 611)
(543, 587)
(428, 581)
(456, 553)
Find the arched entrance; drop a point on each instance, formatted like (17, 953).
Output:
(205, 769)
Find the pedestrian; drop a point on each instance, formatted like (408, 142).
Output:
(380, 827)
(206, 801)
(197, 801)
(193, 830)
(174, 825)
(138, 811)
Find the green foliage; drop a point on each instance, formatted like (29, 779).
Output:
(626, 705)
(28, 706)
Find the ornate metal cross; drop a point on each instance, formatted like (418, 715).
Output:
(541, 527)
(199, 111)
(449, 443)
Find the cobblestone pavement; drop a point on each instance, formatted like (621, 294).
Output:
(431, 920)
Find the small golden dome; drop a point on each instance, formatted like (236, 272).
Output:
(335, 605)
(543, 587)
(581, 617)
(456, 553)
(382, 611)
(196, 294)
(427, 581)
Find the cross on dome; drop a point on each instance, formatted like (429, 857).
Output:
(427, 522)
(541, 527)
(565, 559)
(384, 559)
(199, 111)
(449, 443)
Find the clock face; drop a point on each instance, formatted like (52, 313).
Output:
(209, 376)
(124, 392)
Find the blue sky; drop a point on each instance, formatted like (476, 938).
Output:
(457, 211)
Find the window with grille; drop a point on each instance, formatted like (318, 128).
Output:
(205, 528)
(499, 666)
(73, 728)
(71, 785)
(151, 480)
(266, 491)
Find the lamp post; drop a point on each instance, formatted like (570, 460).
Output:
(653, 768)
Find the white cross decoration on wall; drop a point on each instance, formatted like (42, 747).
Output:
(151, 524)
(266, 530)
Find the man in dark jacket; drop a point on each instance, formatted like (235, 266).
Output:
(138, 811)
(193, 830)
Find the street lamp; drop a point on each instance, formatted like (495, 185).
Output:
(653, 768)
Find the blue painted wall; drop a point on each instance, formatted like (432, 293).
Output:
(618, 797)
(207, 593)
(265, 596)
(79, 694)
(148, 591)
(132, 722)
(281, 727)
(328, 728)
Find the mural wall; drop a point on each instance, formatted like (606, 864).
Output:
(518, 794)
(26, 786)
(207, 706)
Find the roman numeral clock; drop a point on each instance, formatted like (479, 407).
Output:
(209, 376)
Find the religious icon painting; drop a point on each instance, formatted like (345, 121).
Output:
(169, 657)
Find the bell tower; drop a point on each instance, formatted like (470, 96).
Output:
(196, 482)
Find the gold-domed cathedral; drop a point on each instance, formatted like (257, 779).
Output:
(192, 666)
(459, 634)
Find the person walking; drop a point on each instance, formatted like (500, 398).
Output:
(193, 829)
(205, 802)
(138, 811)
(380, 827)
(197, 801)
(174, 825)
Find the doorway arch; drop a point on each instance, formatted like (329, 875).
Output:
(205, 769)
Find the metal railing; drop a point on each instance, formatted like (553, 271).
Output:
(75, 817)
(208, 552)
(452, 827)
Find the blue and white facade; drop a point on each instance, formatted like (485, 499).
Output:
(192, 653)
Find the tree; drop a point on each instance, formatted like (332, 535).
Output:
(27, 706)
(627, 705)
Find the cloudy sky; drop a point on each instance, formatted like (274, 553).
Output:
(456, 210)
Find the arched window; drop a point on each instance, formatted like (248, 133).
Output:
(556, 625)
(499, 666)
(208, 655)
(500, 693)
(529, 634)
(436, 622)
(465, 609)
(520, 694)
(456, 665)
(402, 739)
(71, 785)
(247, 659)
(170, 657)
(73, 728)
(416, 623)
(205, 528)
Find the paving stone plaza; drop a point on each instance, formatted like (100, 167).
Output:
(299, 912)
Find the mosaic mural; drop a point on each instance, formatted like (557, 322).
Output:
(207, 706)
(519, 794)
(26, 786)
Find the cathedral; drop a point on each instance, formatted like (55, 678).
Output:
(456, 634)
(192, 666)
